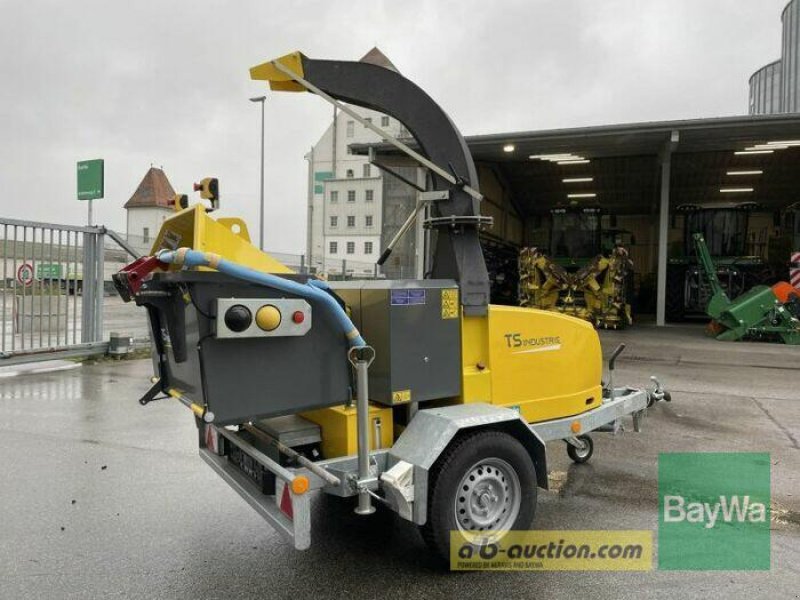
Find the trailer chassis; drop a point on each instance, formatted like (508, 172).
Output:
(397, 477)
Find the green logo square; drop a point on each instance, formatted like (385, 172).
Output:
(714, 511)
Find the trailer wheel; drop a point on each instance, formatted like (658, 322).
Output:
(484, 482)
(581, 456)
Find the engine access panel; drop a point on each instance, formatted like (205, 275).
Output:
(415, 328)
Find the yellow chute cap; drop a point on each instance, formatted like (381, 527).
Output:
(279, 81)
(268, 317)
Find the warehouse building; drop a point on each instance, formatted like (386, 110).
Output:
(653, 185)
(643, 176)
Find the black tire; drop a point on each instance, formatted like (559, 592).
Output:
(465, 455)
(581, 456)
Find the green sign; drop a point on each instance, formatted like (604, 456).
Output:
(319, 179)
(48, 271)
(714, 511)
(90, 179)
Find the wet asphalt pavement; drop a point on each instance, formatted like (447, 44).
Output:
(100, 497)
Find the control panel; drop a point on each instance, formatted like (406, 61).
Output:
(267, 317)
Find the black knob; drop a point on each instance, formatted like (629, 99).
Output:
(238, 318)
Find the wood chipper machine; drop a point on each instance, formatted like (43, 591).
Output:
(415, 395)
(768, 313)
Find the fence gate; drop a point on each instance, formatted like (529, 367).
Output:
(52, 289)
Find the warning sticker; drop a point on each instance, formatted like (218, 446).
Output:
(408, 297)
(401, 396)
(416, 296)
(449, 304)
(399, 297)
(172, 240)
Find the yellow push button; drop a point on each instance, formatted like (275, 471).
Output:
(268, 317)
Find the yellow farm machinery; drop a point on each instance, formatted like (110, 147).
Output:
(415, 395)
(577, 277)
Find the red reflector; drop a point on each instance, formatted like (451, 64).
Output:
(286, 503)
(298, 317)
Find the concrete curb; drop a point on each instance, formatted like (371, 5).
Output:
(37, 368)
(690, 345)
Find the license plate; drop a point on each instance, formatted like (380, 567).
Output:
(252, 469)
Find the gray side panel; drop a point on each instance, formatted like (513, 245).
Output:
(416, 350)
(244, 379)
(426, 349)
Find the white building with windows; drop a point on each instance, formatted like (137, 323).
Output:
(148, 207)
(345, 192)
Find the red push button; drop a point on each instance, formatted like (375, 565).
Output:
(298, 317)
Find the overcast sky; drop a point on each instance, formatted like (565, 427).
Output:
(167, 83)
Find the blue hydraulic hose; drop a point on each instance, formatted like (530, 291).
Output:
(312, 289)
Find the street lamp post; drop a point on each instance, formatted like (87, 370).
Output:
(260, 100)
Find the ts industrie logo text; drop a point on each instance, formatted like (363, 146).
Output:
(524, 345)
(730, 509)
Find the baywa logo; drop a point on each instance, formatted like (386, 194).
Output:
(714, 511)
(735, 508)
(522, 345)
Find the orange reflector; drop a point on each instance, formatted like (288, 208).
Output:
(300, 484)
(575, 427)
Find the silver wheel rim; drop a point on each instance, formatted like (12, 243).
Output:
(584, 452)
(488, 497)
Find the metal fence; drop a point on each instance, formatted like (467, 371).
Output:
(51, 286)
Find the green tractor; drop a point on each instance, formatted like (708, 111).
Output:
(577, 236)
(724, 228)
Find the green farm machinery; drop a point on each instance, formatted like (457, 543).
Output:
(767, 313)
(726, 230)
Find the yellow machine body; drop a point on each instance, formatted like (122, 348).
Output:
(226, 236)
(339, 429)
(544, 364)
